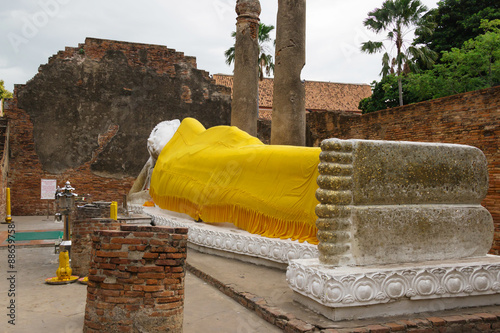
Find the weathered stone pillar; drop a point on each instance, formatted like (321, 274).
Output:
(136, 280)
(289, 113)
(245, 104)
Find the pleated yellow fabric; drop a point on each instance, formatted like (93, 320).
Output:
(223, 174)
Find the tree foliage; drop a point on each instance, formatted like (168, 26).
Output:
(457, 21)
(265, 61)
(399, 18)
(385, 94)
(4, 93)
(476, 65)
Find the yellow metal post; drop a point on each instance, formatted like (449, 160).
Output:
(8, 218)
(114, 210)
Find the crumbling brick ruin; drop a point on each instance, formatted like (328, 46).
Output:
(86, 221)
(86, 116)
(136, 280)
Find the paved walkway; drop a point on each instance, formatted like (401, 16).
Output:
(60, 309)
(222, 295)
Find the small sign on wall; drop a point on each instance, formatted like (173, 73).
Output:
(49, 187)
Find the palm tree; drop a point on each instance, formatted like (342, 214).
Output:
(265, 60)
(400, 18)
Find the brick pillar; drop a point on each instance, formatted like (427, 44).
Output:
(83, 226)
(136, 280)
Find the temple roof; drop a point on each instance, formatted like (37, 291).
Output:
(329, 96)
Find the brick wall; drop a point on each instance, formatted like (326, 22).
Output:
(92, 129)
(4, 165)
(86, 221)
(26, 172)
(472, 119)
(136, 280)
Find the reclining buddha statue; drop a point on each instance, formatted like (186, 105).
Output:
(223, 174)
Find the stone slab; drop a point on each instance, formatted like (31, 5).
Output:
(412, 233)
(401, 307)
(418, 173)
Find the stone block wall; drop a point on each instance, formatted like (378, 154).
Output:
(92, 129)
(136, 280)
(471, 118)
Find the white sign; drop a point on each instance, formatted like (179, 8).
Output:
(49, 187)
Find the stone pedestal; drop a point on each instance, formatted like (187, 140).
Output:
(136, 280)
(345, 293)
(401, 231)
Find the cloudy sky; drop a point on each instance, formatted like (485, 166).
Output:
(32, 30)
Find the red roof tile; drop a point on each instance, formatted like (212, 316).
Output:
(319, 95)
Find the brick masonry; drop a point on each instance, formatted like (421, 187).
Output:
(4, 163)
(26, 171)
(92, 129)
(471, 118)
(136, 280)
(83, 227)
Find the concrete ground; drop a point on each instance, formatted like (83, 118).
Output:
(213, 303)
(47, 308)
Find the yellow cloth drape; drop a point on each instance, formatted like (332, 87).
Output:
(223, 174)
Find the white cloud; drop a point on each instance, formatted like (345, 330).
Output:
(199, 28)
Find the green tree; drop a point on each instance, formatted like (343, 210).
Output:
(265, 61)
(476, 65)
(457, 21)
(4, 93)
(399, 18)
(385, 94)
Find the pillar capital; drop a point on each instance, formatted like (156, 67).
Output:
(248, 8)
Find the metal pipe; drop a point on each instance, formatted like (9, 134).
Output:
(8, 218)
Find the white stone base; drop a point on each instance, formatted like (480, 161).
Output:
(344, 293)
(227, 240)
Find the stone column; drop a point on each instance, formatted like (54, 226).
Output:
(289, 113)
(245, 104)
